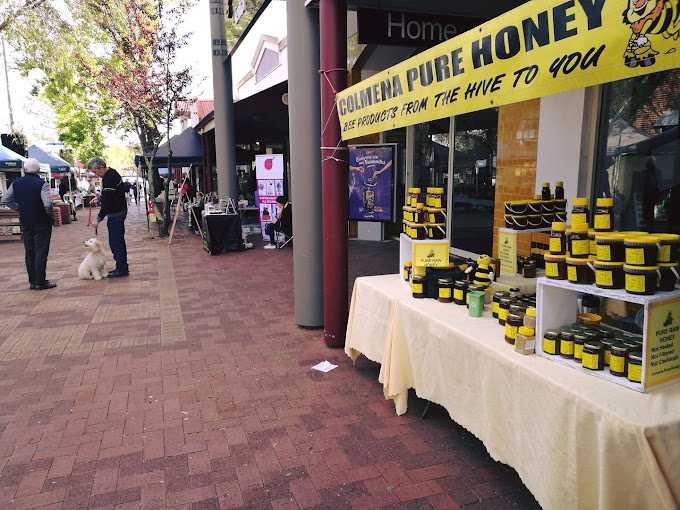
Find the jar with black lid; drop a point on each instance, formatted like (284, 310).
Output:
(496, 301)
(580, 212)
(634, 367)
(579, 341)
(607, 347)
(504, 309)
(618, 361)
(460, 289)
(566, 344)
(407, 270)
(593, 356)
(632, 344)
(604, 215)
(445, 290)
(418, 286)
(551, 341)
(558, 238)
(518, 307)
(579, 241)
(592, 335)
(529, 269)
(512, 324)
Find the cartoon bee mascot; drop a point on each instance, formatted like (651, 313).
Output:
(649, 17)
(483, 272)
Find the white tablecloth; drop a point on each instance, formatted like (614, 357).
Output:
(578, 442)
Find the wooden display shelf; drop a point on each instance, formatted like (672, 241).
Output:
(557, 306)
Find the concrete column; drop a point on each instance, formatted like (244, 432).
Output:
(225, 140)
(304, 118)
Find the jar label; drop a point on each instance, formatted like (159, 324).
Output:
(556, 245)
(551, 269)
(578, 218)
(406, 274)
(580, 247)
(417, 288)
(548, 345)
(571, 273)
(635, 256)
(603, 222)
(578, 351)
(444, 293)
(437, 202)
(592, 246)
(603, 278)
(604, 252)
(458, 294)
(665, 253)
(591, 361)
(635, 283)
(530, 345)
(607, 356)
(635, 373)
(503, 313)
(430, 218)
(511, 331)
(617, 364)
(567, 347)
(494, 307)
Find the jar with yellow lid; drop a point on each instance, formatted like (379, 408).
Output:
(579, 271)
(534, 221)
(530, 317)
(428, 197)
(669, 274)
(641, 250)
(603, 218)
(419, 231)
(437, 198)
(413, 197)
(609, 275)
(558, 238)
(555, 266)
(610, 247)
(535, 206)
(669, 246)
(634, 372)
(580, 212)
(525, 341)
(641, 280)
(407, 270)
(436, 215)
(419, 214)
(436, 231)
(592, 245)
(579, 241)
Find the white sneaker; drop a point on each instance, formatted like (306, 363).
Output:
(269, 246)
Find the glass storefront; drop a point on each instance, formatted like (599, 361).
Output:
(397, 136)
(639, 157)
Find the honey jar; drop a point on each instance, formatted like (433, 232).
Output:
(407, 270)
(641, 280)
(618, 360)
(525, 342)
(642, 250)
(579, 241)
(634, 367)
(567, 344)
(504, 309)
(445, 290)
(580, 212)
(551, 341)
(436, 231)
(579, 341)
(669, 249)
(460, 289)
(496, 301)
(555, 266)
(558, 238)
(610, 247)
(578, 271)
(609, 275)
(436, 215)
(669, 274)
(593, 356)
(530, 317)
(603, 218)
(512, 324)
(418, 284)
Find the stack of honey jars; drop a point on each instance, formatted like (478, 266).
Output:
(425, 220)
(539, 212)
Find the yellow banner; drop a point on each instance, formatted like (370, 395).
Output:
(540, 48)
(431, 254)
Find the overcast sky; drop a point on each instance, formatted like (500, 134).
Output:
(36, 121)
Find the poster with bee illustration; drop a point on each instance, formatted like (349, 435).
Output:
(371, 182)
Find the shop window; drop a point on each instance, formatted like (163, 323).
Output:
(474, 181)
(398, 136)
(639, 163)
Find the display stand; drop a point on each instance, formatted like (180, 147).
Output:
(507, 246)
(556, 305)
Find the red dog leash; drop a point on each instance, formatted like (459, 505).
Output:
(89, 219)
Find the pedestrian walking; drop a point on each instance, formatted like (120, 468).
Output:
(113, 205)
(30, 195)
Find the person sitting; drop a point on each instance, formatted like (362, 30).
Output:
(283, 222)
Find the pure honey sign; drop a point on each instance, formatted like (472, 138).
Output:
(540, 48)
(431, 254)
(663, 343)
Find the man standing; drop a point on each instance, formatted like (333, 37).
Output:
(30, 195)
(113, 205)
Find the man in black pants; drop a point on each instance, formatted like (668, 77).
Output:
(283, 222)
(114, 205)
(30, 195)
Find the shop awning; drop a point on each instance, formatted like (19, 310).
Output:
(10, 160)
(542, 47)
(56, 164)
(186, 150)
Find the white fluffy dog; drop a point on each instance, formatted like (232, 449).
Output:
(93, 265)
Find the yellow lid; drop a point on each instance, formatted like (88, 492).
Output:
(642, 240)
(628, 267)
(415, 190)
(607, 263)
(430, 190)
(609, 236)
(605, 202)
(420, 205)
(531, 311)
(579, 228)
(559, 226)
(668, 264)
(571, 260)
(554, 258)
(581, 201)
(668, 237)
(526, 331)
(559, 183)
(408, 263)
(438, 190)
(545, 185)
(537, 197)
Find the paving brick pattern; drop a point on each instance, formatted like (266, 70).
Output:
(188, 386)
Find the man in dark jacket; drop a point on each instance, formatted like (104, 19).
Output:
(113, 205)
(30, 195)
(283, 222)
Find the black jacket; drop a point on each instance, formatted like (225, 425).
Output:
(285, 222)
(113, 194)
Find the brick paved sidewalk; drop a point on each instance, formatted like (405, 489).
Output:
(188, 386)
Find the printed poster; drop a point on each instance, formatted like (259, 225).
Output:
(269, 174)
(506, 252)
(663, 342)
(371, 182)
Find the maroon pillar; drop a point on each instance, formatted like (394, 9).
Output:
(333, 62)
